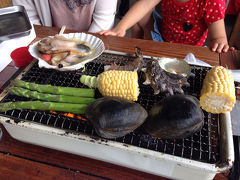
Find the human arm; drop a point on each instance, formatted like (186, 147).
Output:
(218, 38)
(135, 14)
(103, 15)
(30, 8)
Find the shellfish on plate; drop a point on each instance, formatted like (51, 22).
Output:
(68, 51)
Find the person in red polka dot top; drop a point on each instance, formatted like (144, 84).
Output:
(182, 21)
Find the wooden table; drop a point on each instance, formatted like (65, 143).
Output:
(20, 160)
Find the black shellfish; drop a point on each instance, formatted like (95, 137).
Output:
(114, 117)
(175, 116)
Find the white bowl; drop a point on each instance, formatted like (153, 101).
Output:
(94, 41)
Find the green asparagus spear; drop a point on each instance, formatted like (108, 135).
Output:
(70, 91)
(65, 107)
(49, 97)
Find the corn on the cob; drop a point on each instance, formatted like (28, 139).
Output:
(218, 91)
(115, 83)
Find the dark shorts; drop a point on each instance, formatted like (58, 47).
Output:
(156, 35)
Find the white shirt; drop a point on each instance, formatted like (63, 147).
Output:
(103, 13)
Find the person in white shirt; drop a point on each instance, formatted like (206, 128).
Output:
(82, 15)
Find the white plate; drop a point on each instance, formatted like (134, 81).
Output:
(94, 41)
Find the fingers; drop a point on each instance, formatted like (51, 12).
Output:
(214, 47)
(112, 33)
(224, 47)
(106, 33)
(101, 32)
(221, 47)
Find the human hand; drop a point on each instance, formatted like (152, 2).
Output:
(218, 38)
(113, 32)
(219, 46)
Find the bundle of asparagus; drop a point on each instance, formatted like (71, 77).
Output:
(56, 98)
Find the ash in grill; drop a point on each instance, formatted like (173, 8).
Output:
(202, 146)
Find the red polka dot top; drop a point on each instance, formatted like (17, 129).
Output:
(187, 22)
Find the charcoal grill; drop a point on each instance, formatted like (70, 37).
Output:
(201, 155)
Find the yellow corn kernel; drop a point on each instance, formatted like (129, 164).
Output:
(218, 91)
(119, 83)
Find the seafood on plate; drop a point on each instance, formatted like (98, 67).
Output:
(60, 51)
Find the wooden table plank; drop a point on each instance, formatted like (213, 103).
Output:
(7, 73)
(231, 59)
(19, 168)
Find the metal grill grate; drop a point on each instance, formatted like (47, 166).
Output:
(202, 146)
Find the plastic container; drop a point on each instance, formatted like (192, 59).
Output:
(21, 56)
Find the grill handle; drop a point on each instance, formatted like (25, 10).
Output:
(227, 147)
